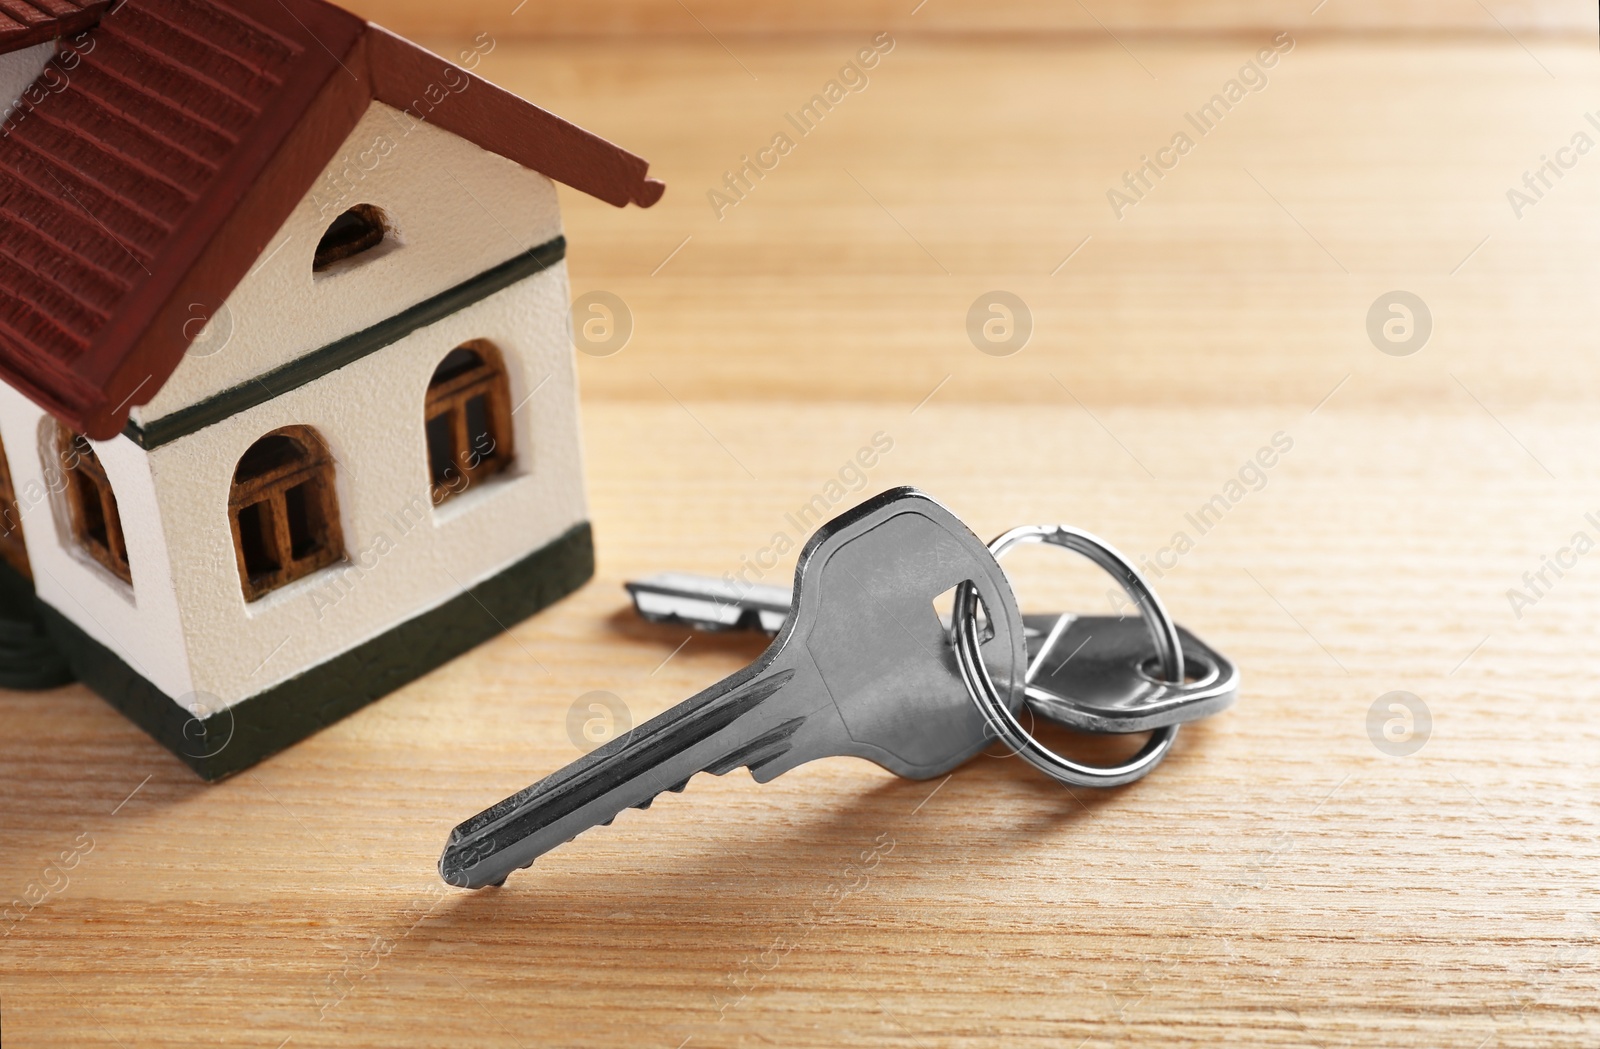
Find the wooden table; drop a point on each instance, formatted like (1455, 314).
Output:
(1281, 880)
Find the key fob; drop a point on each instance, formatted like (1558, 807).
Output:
(1100, 675)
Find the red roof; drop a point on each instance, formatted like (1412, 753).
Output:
(149, 165)
(24, 23)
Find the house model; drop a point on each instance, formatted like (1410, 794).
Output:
(288, 413)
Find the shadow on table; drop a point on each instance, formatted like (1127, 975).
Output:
(856, 862)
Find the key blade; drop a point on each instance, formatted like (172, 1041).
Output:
(628, 772)
(708, 603)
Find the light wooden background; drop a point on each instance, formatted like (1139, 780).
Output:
(967, 18)
(1279, 881)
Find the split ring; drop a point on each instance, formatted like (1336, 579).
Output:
(981, 687)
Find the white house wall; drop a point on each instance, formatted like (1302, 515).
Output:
(370, 413)
(18, 70)
(139, 623)
(456, 210)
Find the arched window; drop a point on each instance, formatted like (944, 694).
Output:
(358, 230)
(12, 549)
(468, 419)
(91, 505)
(285, 511)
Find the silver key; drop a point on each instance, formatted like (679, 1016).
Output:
(708, 603)
(1090, 673)
(1100, 674)
(863, 667)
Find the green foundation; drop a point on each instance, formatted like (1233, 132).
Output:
(234, 739)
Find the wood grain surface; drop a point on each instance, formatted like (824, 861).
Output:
(698, 19)
(1285, 878)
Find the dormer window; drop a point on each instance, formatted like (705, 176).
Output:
(356, 232)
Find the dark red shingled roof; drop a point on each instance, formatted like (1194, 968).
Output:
(146, 169)
(24, 23)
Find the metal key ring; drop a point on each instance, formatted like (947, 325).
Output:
(981, 687)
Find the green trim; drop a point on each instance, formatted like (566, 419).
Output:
(29, 660)
(16, 595)
(314, 365)
(240, 736)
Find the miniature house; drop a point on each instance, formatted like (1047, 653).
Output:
(288, 413)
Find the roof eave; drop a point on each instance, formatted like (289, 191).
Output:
(424, 85)
(25, 35)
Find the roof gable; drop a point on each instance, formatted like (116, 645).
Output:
(144, 172)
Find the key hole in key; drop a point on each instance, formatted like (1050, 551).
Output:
(944, 608)
(1197, 670)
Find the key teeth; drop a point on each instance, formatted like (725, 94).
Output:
(459, 881)
(716, 770)
(651, 800)
(770, 745)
